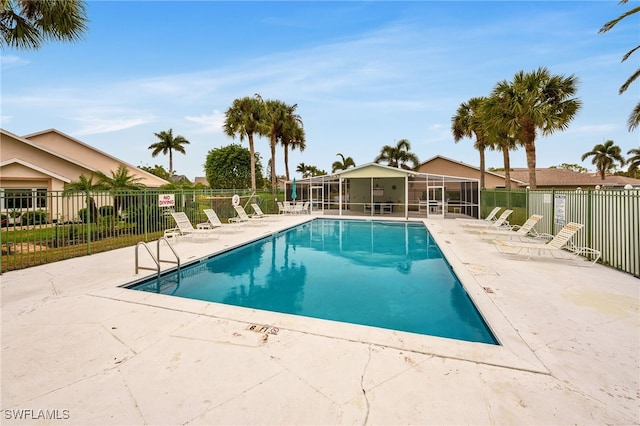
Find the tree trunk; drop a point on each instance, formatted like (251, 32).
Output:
(482, 166)
(507, 167)
(170, 163)
(273, 163)
(253, 162)
(529, 142)
(286, 160)
(530, 149)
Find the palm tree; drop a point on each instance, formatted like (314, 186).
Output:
(167, 144)
(604, 157)
(243, 118)
(497, 137)
(27, 24)
(83, 183)
(292, 137)
(468, 122)
(277, 116)
(505, 143)
(303, 169)
(399, 155)
(633, 161)
(634, 118)
(534, 101)
(120, 180)
(86, 184)
(342, 165)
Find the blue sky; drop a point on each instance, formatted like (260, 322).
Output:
(363, 74)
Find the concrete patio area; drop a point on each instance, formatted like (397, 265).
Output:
(79, 349)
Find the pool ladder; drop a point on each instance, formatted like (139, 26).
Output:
(156, 259)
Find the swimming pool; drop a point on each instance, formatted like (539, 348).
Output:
(378, 273)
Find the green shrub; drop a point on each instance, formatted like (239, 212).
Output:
(34, 218)
(106, 211)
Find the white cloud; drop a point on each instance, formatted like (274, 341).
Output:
(211, 123)
(95, 125)
(12, 61)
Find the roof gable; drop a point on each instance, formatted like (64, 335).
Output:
(373, 170)
(34, 167)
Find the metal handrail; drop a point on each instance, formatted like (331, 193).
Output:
(177, 261)
(138, 267)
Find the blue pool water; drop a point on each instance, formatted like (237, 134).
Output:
(383, 274)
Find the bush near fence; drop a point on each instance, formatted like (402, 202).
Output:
(611, 218)
(85, 223)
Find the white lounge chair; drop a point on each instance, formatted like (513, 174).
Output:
(258, 213)
(558, 247)
(185, 228)
(501, 221)
(491, 217)
(213, 221)
(513, 231)
(243, 217)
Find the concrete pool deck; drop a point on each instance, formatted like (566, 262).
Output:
(79, 349)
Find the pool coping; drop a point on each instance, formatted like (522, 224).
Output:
(512, 351)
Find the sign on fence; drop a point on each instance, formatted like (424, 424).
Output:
(166, 200)
(559, 206)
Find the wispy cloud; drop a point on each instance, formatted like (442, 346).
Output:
(12, 61)
(92, 125)
(208, 123)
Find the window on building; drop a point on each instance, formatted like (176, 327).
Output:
(24, 199)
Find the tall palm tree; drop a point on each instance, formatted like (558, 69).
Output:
(498, 137)
(344, 164)
(277, 116)
(292, 137)
(27, 24)
(398, 155)
(468, 122)
(604, 157)
(634, 118)
(633, 161)
(243, 119)
(532, 102)
(167, 144)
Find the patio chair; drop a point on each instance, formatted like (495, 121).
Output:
(243, 217)
(501, 221)
(186, 229)
(281, 208)
(258, 213)
(213, 221)
(558, 247)
(513, 231)
(301, 208)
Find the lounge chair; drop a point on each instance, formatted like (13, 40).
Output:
(186, 229)
(491, 217)
(258, 213)
(243, 217)
(513, 231)
(214, 222)
(558, 247)
(501, 221)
